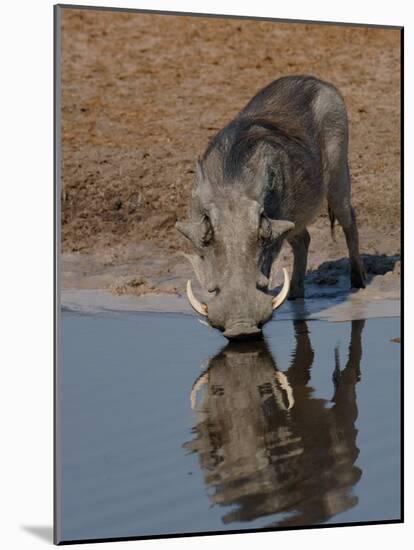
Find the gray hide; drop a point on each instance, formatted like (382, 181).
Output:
(266, 444)
(262, 179)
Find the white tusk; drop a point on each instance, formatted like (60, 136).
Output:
(284, 383)
(198, 306)
(283, 294)
(203, 379)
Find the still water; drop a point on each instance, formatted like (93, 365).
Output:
(165, 428)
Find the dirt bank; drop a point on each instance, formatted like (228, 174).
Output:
(141, 96)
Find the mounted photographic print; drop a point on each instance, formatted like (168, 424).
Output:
(228, 261)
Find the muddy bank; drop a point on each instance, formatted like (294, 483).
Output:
(142, 95)
(328, 295)
(143, 278)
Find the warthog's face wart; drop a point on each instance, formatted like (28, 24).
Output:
(235, 244)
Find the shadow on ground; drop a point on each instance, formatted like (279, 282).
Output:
(44, 532)
(328, 286)
(331, 278)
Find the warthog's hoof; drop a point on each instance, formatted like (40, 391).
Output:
(357, 279)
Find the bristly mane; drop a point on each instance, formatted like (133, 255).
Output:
(237, 142)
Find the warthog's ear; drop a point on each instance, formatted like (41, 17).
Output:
(280, 227)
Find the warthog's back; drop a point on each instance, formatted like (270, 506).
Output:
(298, 126)
(303, 103)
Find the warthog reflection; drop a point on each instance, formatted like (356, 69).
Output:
(266, 445)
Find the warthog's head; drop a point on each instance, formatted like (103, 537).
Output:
(235, 245)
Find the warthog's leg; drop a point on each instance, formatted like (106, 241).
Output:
(300, 244)
(352, 240)
(339, 200)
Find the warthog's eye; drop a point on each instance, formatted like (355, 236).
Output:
(265, 228)
(208, 231)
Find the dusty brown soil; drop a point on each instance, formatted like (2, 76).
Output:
(141, 96)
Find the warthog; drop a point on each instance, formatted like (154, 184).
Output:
(266, 444)
(262, 179)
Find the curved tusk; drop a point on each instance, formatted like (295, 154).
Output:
(283, 294)
(284, 384)
(195, 304)
(201, 380)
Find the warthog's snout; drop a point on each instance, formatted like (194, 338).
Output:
(242, 331)
(240, 313)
